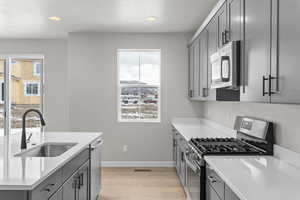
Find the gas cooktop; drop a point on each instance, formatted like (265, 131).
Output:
(254, 137)
(224, 146)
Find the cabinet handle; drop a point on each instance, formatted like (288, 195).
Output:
(205, 92)
(81, 179)
(226, 36)
(270, 84)
(46, 190)
(223, 38)
(269, 78)
(191, 93)
(264, 85)
(212, 179)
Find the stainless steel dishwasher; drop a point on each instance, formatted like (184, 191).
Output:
(95, 187)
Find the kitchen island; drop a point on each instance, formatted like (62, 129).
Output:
(27, 178)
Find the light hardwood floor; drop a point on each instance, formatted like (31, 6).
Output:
(127, 184)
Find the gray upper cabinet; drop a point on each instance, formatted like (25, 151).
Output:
(212, 30)
(204, 84)
(191, 71)
(222, 25)
(196, 53)
(257, 53)
(197, 90)
(269, 50)
(285, 69)
(235, 25)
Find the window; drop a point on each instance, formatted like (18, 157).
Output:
(32, 89)
(37, 67)
(139, 85)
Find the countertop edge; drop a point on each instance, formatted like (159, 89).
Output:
(35, 184)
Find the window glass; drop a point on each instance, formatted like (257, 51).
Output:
(139, 85)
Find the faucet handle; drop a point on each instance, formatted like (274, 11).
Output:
(29, 137)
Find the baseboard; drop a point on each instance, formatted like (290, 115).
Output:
(137, 163)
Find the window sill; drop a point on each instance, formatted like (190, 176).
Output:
(139, 121)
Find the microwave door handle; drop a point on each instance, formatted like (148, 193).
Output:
(225, 59)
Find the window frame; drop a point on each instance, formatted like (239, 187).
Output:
(159, 99)
(31, 95)
(35, 73)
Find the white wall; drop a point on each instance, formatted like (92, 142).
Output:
(56, 93)
(285, 117)
(93, 92)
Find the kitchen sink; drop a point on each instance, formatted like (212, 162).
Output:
(47, 150)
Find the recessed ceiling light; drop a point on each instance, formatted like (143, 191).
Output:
(151, 18)
(55, 18)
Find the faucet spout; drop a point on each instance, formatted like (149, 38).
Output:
(23, 139)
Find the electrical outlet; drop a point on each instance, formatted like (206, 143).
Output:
(125, 148)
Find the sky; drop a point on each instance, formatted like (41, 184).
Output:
(148, 71)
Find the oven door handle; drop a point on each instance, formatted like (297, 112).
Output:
(192, 166)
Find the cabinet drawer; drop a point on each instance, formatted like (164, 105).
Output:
(57, 195)
(48, 187)
(74, 164)
(216, 182)
(211, 193)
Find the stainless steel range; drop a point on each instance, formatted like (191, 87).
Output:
(254, 137)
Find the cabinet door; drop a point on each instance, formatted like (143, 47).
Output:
(70, 188)
(211, 193)
(197, 88)
(57, 196)
(204, 87)
(212, 30)
(83, 174)
(191, 71)
(287, 70)
(234, 10)
(257, 52)
(222, 25)
(229, 194)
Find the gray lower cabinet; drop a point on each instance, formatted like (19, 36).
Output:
(229, 194)
(257, 50)
(179, 150)
(77, 186)
(211, 194)
(216, 188)
(58, 195)
(70, 188)
(71, 182)
(83, 191)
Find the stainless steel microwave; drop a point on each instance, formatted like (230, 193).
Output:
(225, 66)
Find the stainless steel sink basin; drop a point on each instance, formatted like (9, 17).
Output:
(47, 150)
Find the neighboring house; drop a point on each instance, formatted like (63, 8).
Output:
(25, 82)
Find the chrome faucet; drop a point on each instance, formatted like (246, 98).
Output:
(23, 139)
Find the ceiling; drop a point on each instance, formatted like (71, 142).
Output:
(29, 18)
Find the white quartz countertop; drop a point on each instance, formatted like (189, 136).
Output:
(199, 127)
(258, 178)
(25, 173)
(250, 177)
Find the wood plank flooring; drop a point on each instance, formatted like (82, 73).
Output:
(128, 184)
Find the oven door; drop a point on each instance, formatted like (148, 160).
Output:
(193, 180)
